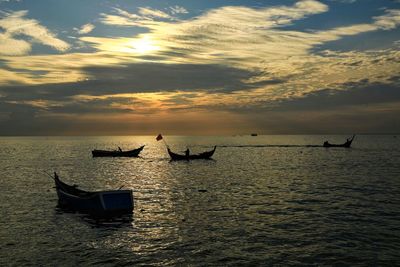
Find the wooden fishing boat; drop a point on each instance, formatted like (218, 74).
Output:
(345, 144)
(101, 203)
(117, 153)
(204, 155)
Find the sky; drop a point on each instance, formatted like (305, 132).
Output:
(199, 67)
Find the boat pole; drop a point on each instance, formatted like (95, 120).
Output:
(51, 176)
(165, 143)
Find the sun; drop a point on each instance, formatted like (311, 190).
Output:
(143, 45)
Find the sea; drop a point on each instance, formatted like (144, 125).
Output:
(266, 200)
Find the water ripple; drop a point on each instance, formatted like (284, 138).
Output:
(269, 200)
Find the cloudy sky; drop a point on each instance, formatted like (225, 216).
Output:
(199, 67)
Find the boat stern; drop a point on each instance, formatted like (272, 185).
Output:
(117, 201)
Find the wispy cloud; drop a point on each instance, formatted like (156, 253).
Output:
(388, 21)
(16, 24)
(255, 39)
(345, 1)
(268, 17)
(153, 13)
(250, 39)
(144, 18)
(11, 46)
(178, 10)
(122, 18)
(84, 29)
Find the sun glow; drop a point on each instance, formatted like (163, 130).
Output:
(143, 45)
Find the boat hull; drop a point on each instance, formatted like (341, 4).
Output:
(336, 145)
(101, 203)
(347, 144)
(204, 155)
(116, 153)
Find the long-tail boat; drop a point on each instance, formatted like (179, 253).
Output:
(117, 153)
(203, 155)
(100, 203)
(345, 144)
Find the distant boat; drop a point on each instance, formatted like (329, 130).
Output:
(254, 134)
(117, 153)
(204, 155)
(345, 144)
(101, 203)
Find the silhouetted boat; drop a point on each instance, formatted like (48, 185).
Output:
(204, 155)
(99, 203)
(117, 153)
(254, 134)
(345, 144)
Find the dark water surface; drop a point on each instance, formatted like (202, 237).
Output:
(265, 200)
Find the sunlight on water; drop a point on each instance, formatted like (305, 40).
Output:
(262, 200)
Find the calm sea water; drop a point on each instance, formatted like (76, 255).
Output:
(265, 200)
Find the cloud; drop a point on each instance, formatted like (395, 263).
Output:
(45, 123)
(11, 78)
(237, 33)
(372, 119)
(112, 115)
(389, 21)
(361, 93)
(253, 40)
(256, 40)
(145, 18)
(135, 78)
(123, 18)
(13, 47)
(178, 10)
(153, 13)
(84, 29)
(15, 24)
(270, 16)
(229, 59)
(345, 1)
(118, 20)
